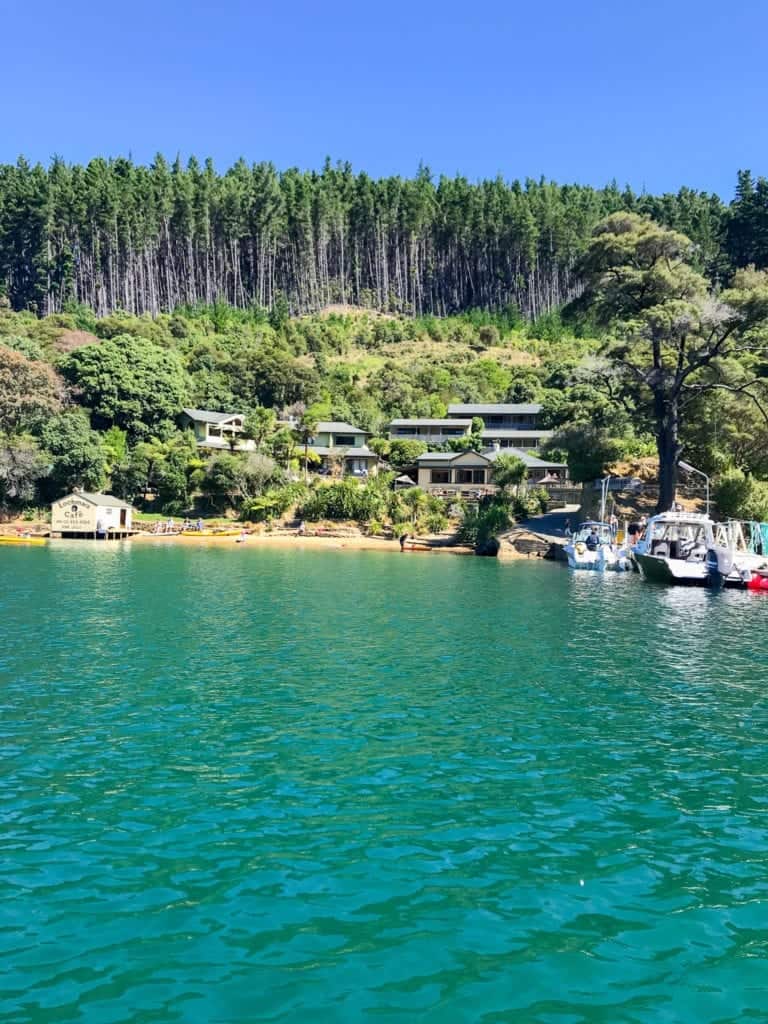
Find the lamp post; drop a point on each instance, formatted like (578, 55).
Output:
(604, 496)
(692, 469)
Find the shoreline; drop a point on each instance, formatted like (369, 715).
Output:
(289, 540)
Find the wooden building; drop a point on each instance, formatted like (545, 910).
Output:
(91, 517)
(471, 472)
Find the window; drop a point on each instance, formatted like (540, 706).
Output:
(450, 432)
(440, 476)
(470, 476)
(344, 440)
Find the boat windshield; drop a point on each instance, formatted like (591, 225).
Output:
(603, 532)
(687, 532)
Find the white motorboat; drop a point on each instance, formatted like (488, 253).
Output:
(739, 551)
(690, 548)
(673, 548)
(593, 546)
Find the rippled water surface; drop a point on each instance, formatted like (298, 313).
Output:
(300, 786)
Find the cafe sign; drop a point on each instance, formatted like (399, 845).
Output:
(75, 513)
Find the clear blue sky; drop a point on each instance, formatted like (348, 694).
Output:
(653, 94)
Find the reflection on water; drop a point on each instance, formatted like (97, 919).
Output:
(296, 786)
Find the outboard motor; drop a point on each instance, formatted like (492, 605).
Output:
(719, 567)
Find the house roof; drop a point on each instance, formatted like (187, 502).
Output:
(490, 455)
(337, 427)
(438, 456)
(418, 422)
(363, 452)
(101, 500)
(502, 409)
(521, 453)
(205, 416)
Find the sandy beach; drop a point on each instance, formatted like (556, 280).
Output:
(293, 540)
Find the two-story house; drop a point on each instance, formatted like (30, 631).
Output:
(219, 431)
(336, 441)
(436, 431)
(508, 424)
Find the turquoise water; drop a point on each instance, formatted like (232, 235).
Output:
(299, 786)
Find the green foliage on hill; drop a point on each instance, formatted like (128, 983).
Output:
(96, 401)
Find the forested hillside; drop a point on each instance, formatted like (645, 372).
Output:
(95, 401)
(116, 235)
(127, 293)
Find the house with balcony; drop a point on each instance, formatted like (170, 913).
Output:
(471, 473)
(341, 445)
(436, 431)
(218, 431)
(508, 424)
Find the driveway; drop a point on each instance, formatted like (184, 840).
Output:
(552, 524)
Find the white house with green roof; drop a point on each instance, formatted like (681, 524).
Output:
(218, 431)
(341, 444)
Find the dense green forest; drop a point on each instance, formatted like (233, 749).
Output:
(116, 235)
(641, 336)
(95, 401)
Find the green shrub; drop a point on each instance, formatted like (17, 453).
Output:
(481, 527)
(345, 499)
(739, 496)
(489, 335)
(273, 503)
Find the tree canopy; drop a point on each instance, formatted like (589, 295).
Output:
(670, 337)
(128, 382)
(118, 235)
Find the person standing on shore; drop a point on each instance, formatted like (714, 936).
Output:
(403, 539)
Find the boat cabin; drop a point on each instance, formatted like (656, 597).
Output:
(603, 531)
(91, 517)
(679, 535)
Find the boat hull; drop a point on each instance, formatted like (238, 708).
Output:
(602, 560)
(673, 570)
(678, 572)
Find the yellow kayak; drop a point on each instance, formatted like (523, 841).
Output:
(9, 538)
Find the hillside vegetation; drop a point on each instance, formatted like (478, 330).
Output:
(651, 358)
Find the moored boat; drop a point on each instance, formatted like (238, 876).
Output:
(593, 546)
(15, 538)
(673, 548)
(738, 555)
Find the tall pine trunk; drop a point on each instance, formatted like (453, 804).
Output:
(668, 447)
